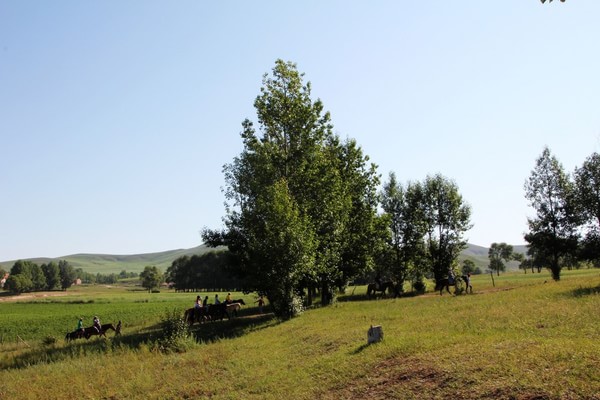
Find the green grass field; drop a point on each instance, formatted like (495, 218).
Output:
(526, 338)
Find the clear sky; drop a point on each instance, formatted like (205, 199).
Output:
(117, 117)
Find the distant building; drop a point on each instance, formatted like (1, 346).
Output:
(3, 280)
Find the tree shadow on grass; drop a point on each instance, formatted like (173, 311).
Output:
(235, 327)
(585, 291)
(207, 332)
(364, 297)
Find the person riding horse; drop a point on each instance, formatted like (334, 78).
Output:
(97, 325)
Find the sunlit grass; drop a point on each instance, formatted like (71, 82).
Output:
(521, 338)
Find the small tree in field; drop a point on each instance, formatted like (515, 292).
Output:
(499, 253)
(151, 277)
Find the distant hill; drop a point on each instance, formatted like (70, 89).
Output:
(479, 255)
(107, 264)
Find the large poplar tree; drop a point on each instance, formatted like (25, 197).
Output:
(587, 196)
(446, 217)
(552, 232)
(296, 196)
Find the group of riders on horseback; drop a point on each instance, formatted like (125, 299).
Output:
(440, 285)
(202, 311)
(96, 329)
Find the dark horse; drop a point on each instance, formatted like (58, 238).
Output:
(372, 288)
(92, 331)
(194, 314)
(241, 301)
(445, 283)
(76, 334)
(211, 312)
(218, 311)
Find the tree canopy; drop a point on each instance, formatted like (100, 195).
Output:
(552, 232)
(300, 202)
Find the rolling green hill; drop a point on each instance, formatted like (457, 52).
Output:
(107, 263)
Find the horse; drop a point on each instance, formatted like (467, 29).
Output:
(241, 301)
(76, 334)
(192, 315)
(372, 288)
(217, 311)
(233, 308)
(445, 283)
(91, 331)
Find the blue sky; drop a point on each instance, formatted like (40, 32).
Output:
(117, 117)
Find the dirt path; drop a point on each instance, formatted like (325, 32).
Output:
(31, 296)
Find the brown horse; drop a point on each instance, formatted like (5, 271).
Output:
(192, 315)
(233, 308)
(372, 288)
(445, 283)
(92, 331)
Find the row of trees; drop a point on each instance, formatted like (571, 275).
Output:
(209, 271)
(566, 227)
(26, 276)
(423, 230)
(302, 206)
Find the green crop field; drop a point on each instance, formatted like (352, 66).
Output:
(527, 337)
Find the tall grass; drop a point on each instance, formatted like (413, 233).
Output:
(522, 338)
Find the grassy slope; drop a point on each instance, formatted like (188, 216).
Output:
(522, 339)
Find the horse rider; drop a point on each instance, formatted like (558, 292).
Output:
(451, 276)
(228, 298)
(468, 281)
(205, 302)
(378, 281)
(217, 301)
(198, 303)
(80, 329)
(97, 324)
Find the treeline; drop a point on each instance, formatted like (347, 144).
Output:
(27, 276)
(211, 271)
(105, 279)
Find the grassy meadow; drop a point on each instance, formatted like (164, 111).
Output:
(526, 338)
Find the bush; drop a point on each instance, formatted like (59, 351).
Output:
(49, 341)
(175, 333)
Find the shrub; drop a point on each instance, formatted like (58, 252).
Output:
(49, 341)
(175, 335)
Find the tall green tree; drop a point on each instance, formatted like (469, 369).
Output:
(52, 274)
(405, 215)
(67, 274)
(499, 254)
(552, 232)
(587, 198)
(38, 279)
(446, 217)
(359, 237)
(18, 284)
(295, 154)
(23, 273)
